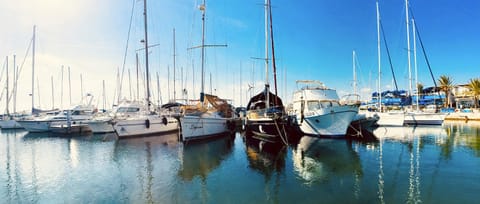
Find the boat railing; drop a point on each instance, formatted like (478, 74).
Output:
(272, 112)
(311, 84)
(350, 99)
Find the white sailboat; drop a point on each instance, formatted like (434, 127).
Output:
(419, 117)
(149, 122)
(395, 118)
(212, 115)
(7, 121)
(360, 120)
(319, 111)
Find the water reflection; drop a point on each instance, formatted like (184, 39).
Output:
(319, 159)
(429, 164)
(201, 157)
(266, 159)
(465, 134)
(433, 145)
(143, 165)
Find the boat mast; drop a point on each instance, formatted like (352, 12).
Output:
(415, 59)
(61, 94)
(103, 95)
(138, 85)
(267, 85)
(130, 84)
(146, 53)
(14, 91)
(6, 86)
(408, 49)
(81, 89)
(379, 93)
(202, 92)
(70, 86)
(159, 97)
(53, 95)
(273, 52)
(174, 68)
(33, 68)
(354, 73)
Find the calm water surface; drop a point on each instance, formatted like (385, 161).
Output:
(433, 164)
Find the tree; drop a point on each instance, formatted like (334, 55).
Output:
(474, 86)
(420, 89)
(446, 84)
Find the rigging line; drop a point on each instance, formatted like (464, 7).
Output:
(126, 50)
(24, 59)
(389, 57)
(423, 49)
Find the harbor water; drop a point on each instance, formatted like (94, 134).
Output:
(423, 164)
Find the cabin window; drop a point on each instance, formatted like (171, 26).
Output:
(131, 109)
(313, 105)
(326, 104)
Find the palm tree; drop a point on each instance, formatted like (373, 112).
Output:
(446, 84)
(474, 86)
(420, 89)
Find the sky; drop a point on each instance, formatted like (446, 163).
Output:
(313, 40)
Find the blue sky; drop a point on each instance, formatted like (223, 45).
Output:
(313, 40)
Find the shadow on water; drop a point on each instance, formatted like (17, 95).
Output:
(199, 158)
(319, 159)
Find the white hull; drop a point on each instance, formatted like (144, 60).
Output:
(421, 118)
(9, 124)
(144, 126)
(197, 127)
(100, 126)
(331, 122)
(35, 125)
(389, 118)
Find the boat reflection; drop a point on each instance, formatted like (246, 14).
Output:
(199, 158)
(265, 158)
(319, 159)
(451, 135)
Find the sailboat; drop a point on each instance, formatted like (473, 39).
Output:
(265, 120)
(212, 115)
(7, 121)
(419, 117)
(148, 122)
(391, 118)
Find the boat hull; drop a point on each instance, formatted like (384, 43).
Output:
(10, 124)
(266, 129)
(100, 126)
(35, 126)
(424, 118)
(389, 118)
(198, 127)
(145, 126)
(332, 122)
